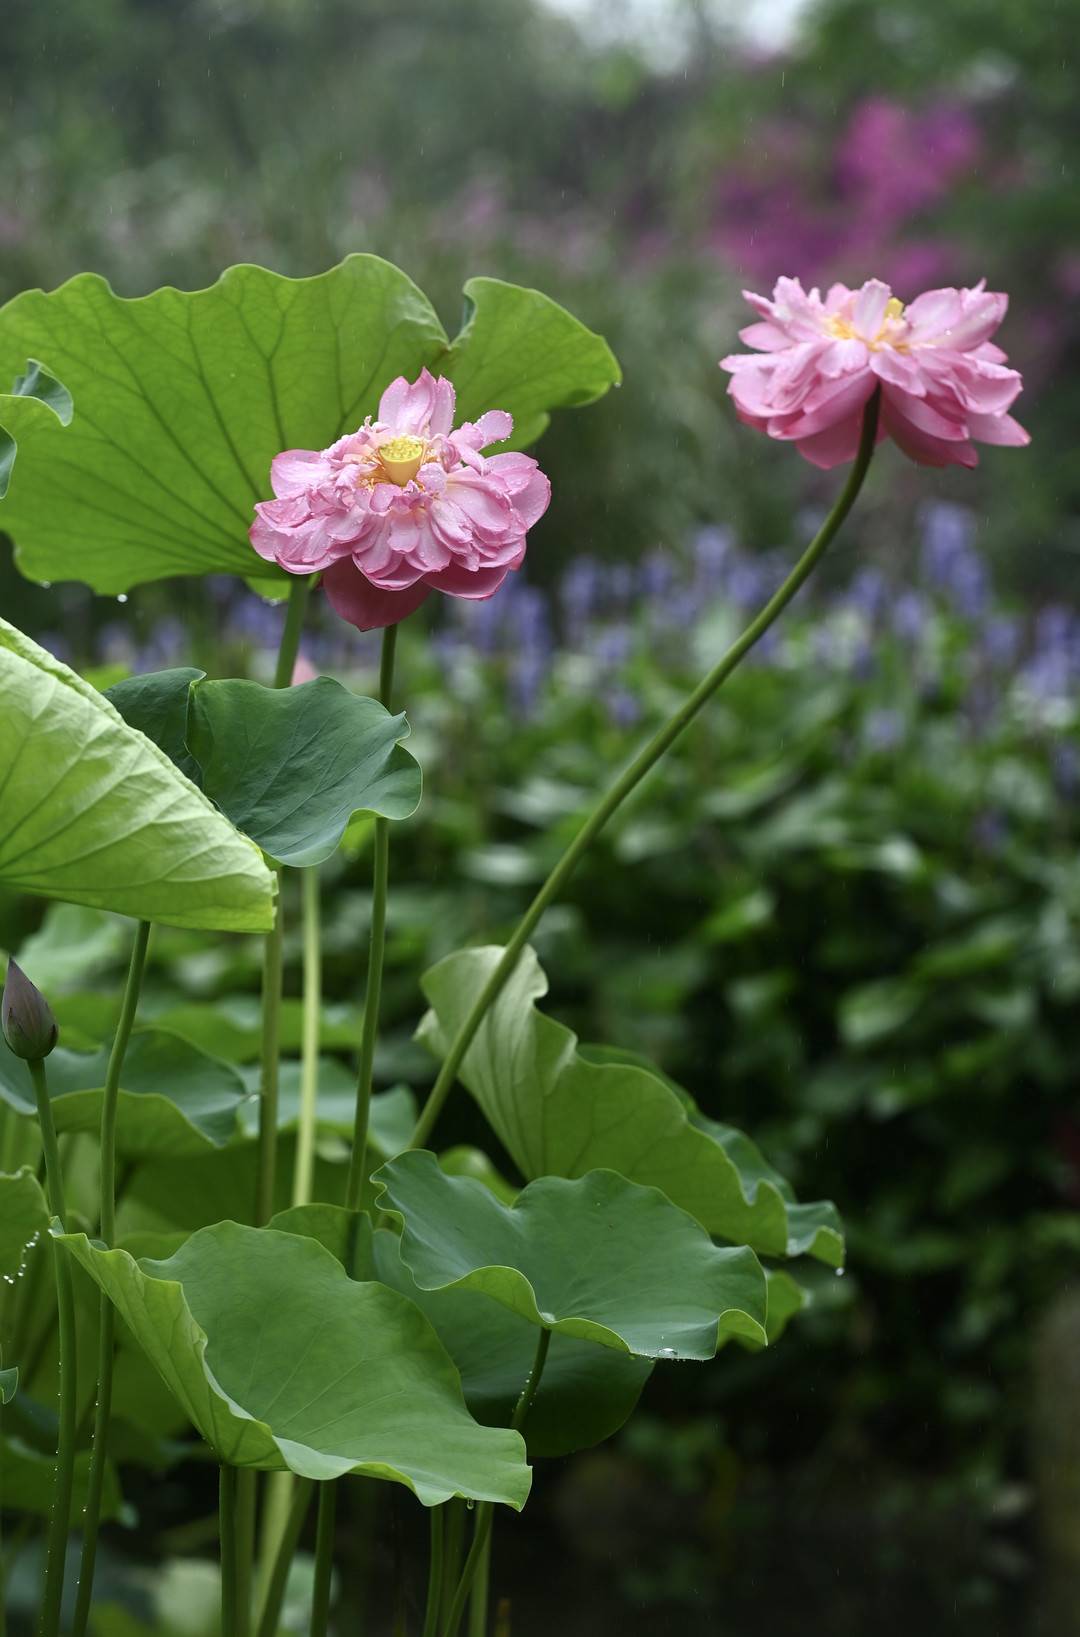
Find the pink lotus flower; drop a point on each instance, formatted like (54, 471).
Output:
(403, 507)
(944, 384)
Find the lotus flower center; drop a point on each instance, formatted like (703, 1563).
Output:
(844, 330)
(402, 457)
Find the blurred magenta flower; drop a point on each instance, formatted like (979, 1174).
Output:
(944, 384)
(402, 507)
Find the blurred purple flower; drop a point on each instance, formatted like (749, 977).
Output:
(868, 592)
(883, 728)
(623, 707)
(657, 573)
(909, 616)
(612, 645)
(1000, 640)
(528, 672)
(713, 549)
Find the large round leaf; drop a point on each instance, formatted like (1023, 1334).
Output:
(290, 766)
(599, 1258)
(173, 1098)
(282, 1361)
(182, 399)
(94, 813)
(586, 1392)
(563, 1111)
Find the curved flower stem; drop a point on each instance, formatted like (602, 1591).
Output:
(486, 1509)
(324, 1560)
(643, 763)
(373, 994)
(60, 1517)
(107, 1231)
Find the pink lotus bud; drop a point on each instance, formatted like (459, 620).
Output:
(944, 385)
(29, 1026)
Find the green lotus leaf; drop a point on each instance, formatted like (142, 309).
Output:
(521, 351)
(586, 1393)
(182, 399)
(173, 1098)
(157, 704)
(563, 1110)
(290, 766)
(599, 1258)
(282, 1361)
(34, 396)
(94, 813)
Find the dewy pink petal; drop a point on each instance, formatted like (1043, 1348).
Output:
(402, 506)
(944, 384)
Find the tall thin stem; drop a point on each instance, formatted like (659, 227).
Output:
(106, 1344)
(245, 1548)
(376, 950)
(269, 1053)
(278, 1578)
(324, 1560)
(435, 1571)
(60, 1517)
(486, 1509)
(227, 1538)
(642, 764)
(478, 1602)
(289, 646)
(304, 1168)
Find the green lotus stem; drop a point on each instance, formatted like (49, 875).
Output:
(435, 1571)
(485, 1510)
(245, 1548)
(478, 1602)
(227, 1538)
(643, 763)
(304, 1168)
(268, 1078)
(107, 1231)
(452, 1553)
(278, 1579)
(60, 1517)
(289, 647)
(299, 592)
(324, 1560)
(376, 949)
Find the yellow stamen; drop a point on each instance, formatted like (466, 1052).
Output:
(894, 307)
(401, 458)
